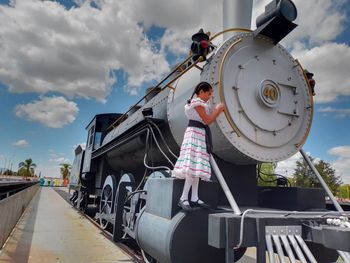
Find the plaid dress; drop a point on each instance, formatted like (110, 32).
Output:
(194, 159)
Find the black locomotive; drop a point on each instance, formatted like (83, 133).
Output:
(123, 177)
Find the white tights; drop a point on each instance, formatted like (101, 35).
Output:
(194, 182)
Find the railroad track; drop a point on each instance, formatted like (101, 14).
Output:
(131, 250)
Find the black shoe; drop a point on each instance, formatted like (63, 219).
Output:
(197, 204)
(185, 207)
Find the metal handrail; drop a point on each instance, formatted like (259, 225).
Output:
(323, 183)
(231, 200)
(15, 187)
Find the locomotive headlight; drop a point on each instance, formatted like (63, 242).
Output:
(288, 10)
(277, 20)
(284, 9)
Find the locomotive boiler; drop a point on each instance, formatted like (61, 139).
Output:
(123, 177)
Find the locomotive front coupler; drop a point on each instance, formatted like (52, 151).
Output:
(283, 230)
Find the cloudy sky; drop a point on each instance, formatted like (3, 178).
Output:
(62, 62)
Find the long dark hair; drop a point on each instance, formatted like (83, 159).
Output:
(205, 86)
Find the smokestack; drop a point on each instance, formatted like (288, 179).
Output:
(237, 14)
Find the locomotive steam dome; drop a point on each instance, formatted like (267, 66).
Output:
(268, 103)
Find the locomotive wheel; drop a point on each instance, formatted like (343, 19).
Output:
(73, 198)
(126, 178)
(107, 199)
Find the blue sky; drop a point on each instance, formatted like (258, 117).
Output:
(62, 62)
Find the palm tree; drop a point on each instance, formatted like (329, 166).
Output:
(27, 167)
(65, 170)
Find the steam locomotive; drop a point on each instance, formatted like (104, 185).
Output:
(123, 177)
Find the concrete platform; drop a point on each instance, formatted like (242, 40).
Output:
(51, 231)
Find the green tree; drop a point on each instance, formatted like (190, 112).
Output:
(65, 170)
(304, 177)
(265, 173)
(8, 172)
(26, 168)
(344, 191)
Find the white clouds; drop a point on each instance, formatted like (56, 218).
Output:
(144, 74)
(59, 160)
(342, 164)
(318, 21)
(339, 113)
(288, 166)
(341, 151)
(175, 42)
(46, 48)
(48, 171)
(181, 19)
(53, 112)
(178, 15)
(21, 143)
(330, 63)
(82, 145)
(52, 168)
(204, 14)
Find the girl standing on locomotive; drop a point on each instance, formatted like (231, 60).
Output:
(193, 162)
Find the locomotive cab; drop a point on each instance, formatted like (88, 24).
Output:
(97, 130)
(84, 169)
